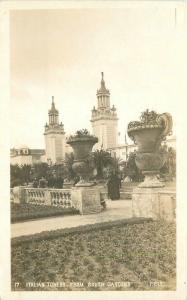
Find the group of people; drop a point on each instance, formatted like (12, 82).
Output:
(113, 184)
(54, 182)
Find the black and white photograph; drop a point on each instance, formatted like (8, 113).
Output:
(95, 94)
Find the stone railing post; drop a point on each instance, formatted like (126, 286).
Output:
(19, 194)
(48, 197)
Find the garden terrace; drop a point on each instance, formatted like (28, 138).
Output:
(138, 251)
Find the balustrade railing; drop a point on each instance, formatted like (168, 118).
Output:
(36, 196)
(44, 196)
(61, 197)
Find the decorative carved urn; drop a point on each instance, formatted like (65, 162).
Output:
(82, 143)
(148, 133)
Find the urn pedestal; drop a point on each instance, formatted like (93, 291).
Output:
(148, 133)
(86, 199)
(155, 203)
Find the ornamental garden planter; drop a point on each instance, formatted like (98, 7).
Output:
(85, 196)
(82, 144)
(148, 133)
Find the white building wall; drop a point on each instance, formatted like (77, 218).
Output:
(55, 147)
(60, 147)
(106, 131)
(50, 147)
(112, 134)
(98, 132)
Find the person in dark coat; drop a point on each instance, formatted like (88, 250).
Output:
(59, 182)
(76, 180)
(113, 186)
(51, 181)
(35, 183)
(42, 183)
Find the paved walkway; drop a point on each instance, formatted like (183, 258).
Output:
(116, 210)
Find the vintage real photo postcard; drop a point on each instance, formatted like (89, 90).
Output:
(96, 171)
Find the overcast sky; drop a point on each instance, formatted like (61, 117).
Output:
(63, 52)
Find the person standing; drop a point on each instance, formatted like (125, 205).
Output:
(76, 180)
(113, 186)
(42, 183)
(35, 183)
(59, 181)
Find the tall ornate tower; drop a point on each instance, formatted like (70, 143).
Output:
(104, 119)
(54, 137)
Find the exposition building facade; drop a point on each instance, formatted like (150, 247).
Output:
(104, 122)
(54, 137)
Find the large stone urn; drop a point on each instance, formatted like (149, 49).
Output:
(85, 196)
(82, 143)
(147, 134)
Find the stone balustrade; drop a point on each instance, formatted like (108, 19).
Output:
(61, 197)
(37, 196)
(42, 196)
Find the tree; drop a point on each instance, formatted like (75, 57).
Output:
(131, 169)
(57, 169)
(26, 173)
(117, 164)
(15, 176)
(102, 159)
(168, 171)
(68, 170)
(19, 175)
(40, 170)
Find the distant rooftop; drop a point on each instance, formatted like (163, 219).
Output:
(37, 151)
(31, 151)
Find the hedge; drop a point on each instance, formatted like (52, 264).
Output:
(24, 212)
(53, 234)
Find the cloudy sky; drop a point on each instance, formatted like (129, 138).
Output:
(63, 52)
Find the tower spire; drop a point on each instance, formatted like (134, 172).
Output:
(103, 88)
(53, 113)
(53, 104)
(103, 94)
